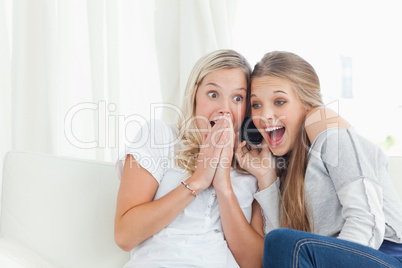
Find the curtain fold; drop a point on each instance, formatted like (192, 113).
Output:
(5, 85)
(30, 67)
(189, 30)
(80, 77)
(113, 80)
(97, 54)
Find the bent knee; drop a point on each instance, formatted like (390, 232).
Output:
(282, 238)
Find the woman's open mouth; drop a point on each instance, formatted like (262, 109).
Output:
(275, 134)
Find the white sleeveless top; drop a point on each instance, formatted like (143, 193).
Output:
(195, 238)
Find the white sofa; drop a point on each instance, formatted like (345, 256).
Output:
(59, 212)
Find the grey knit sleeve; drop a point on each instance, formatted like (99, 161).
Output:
(269, 200)
(353, 166)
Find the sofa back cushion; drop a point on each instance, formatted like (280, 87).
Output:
(62, 208)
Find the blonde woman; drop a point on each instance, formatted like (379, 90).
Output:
(332, 203)
(180, 202)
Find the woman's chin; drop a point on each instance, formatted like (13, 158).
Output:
(278, 150)
(278, 153)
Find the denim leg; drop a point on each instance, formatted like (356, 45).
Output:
(290, 248)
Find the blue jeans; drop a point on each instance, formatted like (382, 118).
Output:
(289, 248)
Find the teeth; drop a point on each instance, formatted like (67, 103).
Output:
(273, 128)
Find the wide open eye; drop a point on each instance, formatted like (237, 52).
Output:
(238, 98)
(213, 94)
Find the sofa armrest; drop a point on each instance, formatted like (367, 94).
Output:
(14, 254)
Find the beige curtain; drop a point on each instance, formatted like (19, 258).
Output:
(5, 82)
(78, 78)
(184, 31)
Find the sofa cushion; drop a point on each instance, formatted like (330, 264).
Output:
(62, 208)
(14, 254)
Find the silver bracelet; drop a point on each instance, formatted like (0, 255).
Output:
(188, 187)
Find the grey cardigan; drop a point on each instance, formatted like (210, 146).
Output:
(349, 191)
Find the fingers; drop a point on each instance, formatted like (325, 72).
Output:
(265, 148)
(232, 134)
(264, 144)
(204, 138)
(226, 145)
(240, 152)
(219, 142)
(246, 154)
(215, 140)
(222, 134)
(237, 140)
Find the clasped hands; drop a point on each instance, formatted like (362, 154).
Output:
(216, 155)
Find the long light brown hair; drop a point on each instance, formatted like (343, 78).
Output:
(186, 156)
(304, 80)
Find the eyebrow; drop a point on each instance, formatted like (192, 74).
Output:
(275, 92)
(212, 84)
(280, 91)
(216, 85)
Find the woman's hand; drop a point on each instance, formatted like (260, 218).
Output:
(246, 245)
(210, 153)
(259, 163)
(222, 175)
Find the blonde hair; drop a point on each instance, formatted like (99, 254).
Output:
(306, 84)
(186, 156)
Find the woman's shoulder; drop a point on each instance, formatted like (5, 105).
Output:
(320, 119)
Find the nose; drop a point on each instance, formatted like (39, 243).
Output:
(224, 111)
(268, 115)
(224, 107)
